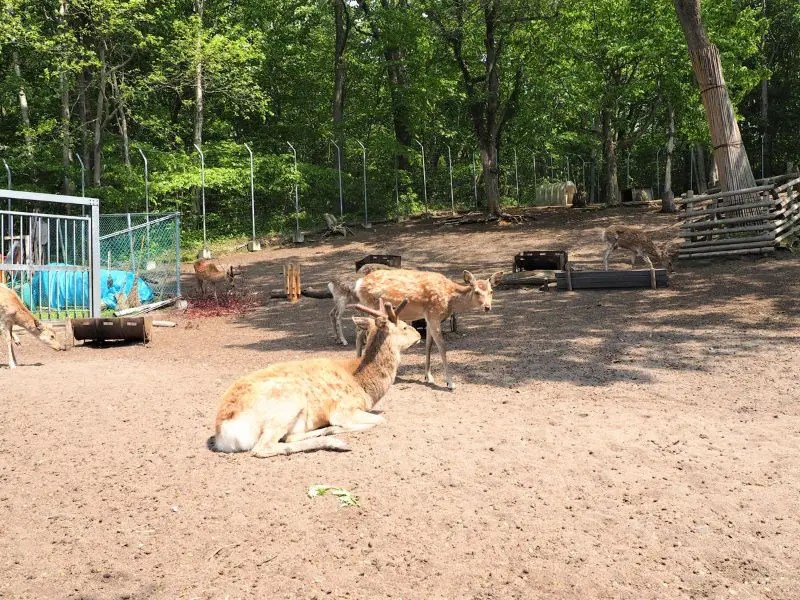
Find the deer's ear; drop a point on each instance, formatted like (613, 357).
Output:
(496, 278)
(362, 322)
(469, 277)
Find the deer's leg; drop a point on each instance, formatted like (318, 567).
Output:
(14, 337)
(606, 254)
(435, 332)
(647, 261)
(349, 422)
(428, 346)
(336, 320)
(200, 286)
(215, 292)
(7, 338)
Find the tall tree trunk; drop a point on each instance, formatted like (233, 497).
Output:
(198, 77)
(24, 112)
(700, 164)
(63, 83)
(97, 148)
(342, 22)
(122, 119)
(612, 193)
(668, 198)
(394, 57)
(729, 152)
(766, 167)
(491, 177)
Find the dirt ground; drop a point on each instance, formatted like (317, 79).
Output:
(600, 444)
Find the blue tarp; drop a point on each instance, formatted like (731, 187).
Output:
(65, 289)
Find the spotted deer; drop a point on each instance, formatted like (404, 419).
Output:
(14, 312)
(208, 271)
(431, 296)
(640, 243)
(341, 289)
(297, 406)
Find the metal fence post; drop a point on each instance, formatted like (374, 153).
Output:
(253, 246)
(424, 177)
(8, 180)
(146, 193)
(450, 165)
(658, 173)
(95, 253)
(83, 174)
(177, 254)
(367, 224)
(205, 252)
(516, 175)
(339, 167)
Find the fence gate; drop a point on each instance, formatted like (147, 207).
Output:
(50, 253)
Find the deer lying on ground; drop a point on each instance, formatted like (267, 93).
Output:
(431, 296)
(640, 243)
(341, 289)
(294, 406)
(208, 271)
(14, 312)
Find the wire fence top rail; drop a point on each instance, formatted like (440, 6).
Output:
(41, 197)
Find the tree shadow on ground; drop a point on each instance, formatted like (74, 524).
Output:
(589, 337)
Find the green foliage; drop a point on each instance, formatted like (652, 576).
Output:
(267, 76)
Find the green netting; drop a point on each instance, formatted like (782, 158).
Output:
(145, 244)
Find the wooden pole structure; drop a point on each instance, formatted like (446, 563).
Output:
(291, 282)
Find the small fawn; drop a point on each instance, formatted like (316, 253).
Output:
(295, 406)
(14, 312)
(208, 271)
(640, 243)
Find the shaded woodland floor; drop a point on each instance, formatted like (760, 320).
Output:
(600, 444)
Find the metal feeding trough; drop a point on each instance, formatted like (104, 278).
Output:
(390, 260)
(126, 329)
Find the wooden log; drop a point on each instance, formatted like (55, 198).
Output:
(523, 278)
(718, 222)
(728, 240)
(700, 247)
(720, 195)
(719, 209)
(791, 183)
(767, 226)
(729, 253)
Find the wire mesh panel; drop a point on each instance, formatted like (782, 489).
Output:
(49, 258)
(144, 247)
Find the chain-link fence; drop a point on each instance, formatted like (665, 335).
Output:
(137, 244)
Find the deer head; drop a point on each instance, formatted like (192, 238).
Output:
(48, 336)
(401, 335)
(482, 289)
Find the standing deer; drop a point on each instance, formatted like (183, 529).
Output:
(14, 312)
(294, 406)
(341, 289)
(208, 271)
(640, 243)
(431, 296)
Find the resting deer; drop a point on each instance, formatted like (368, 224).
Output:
(294, 406)
(14, 312)
(341, 289)
(208, 271)
(640, 243)
(431, 296)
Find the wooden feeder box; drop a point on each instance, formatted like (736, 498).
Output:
(540, 260)
(110, 329)
(390, 260)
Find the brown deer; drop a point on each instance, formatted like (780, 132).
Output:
(431, 296)
(341, 289)
(208, 271)
(640, 243)
(14, 312)
(295, 406)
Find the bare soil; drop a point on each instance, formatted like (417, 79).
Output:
(600, 444)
